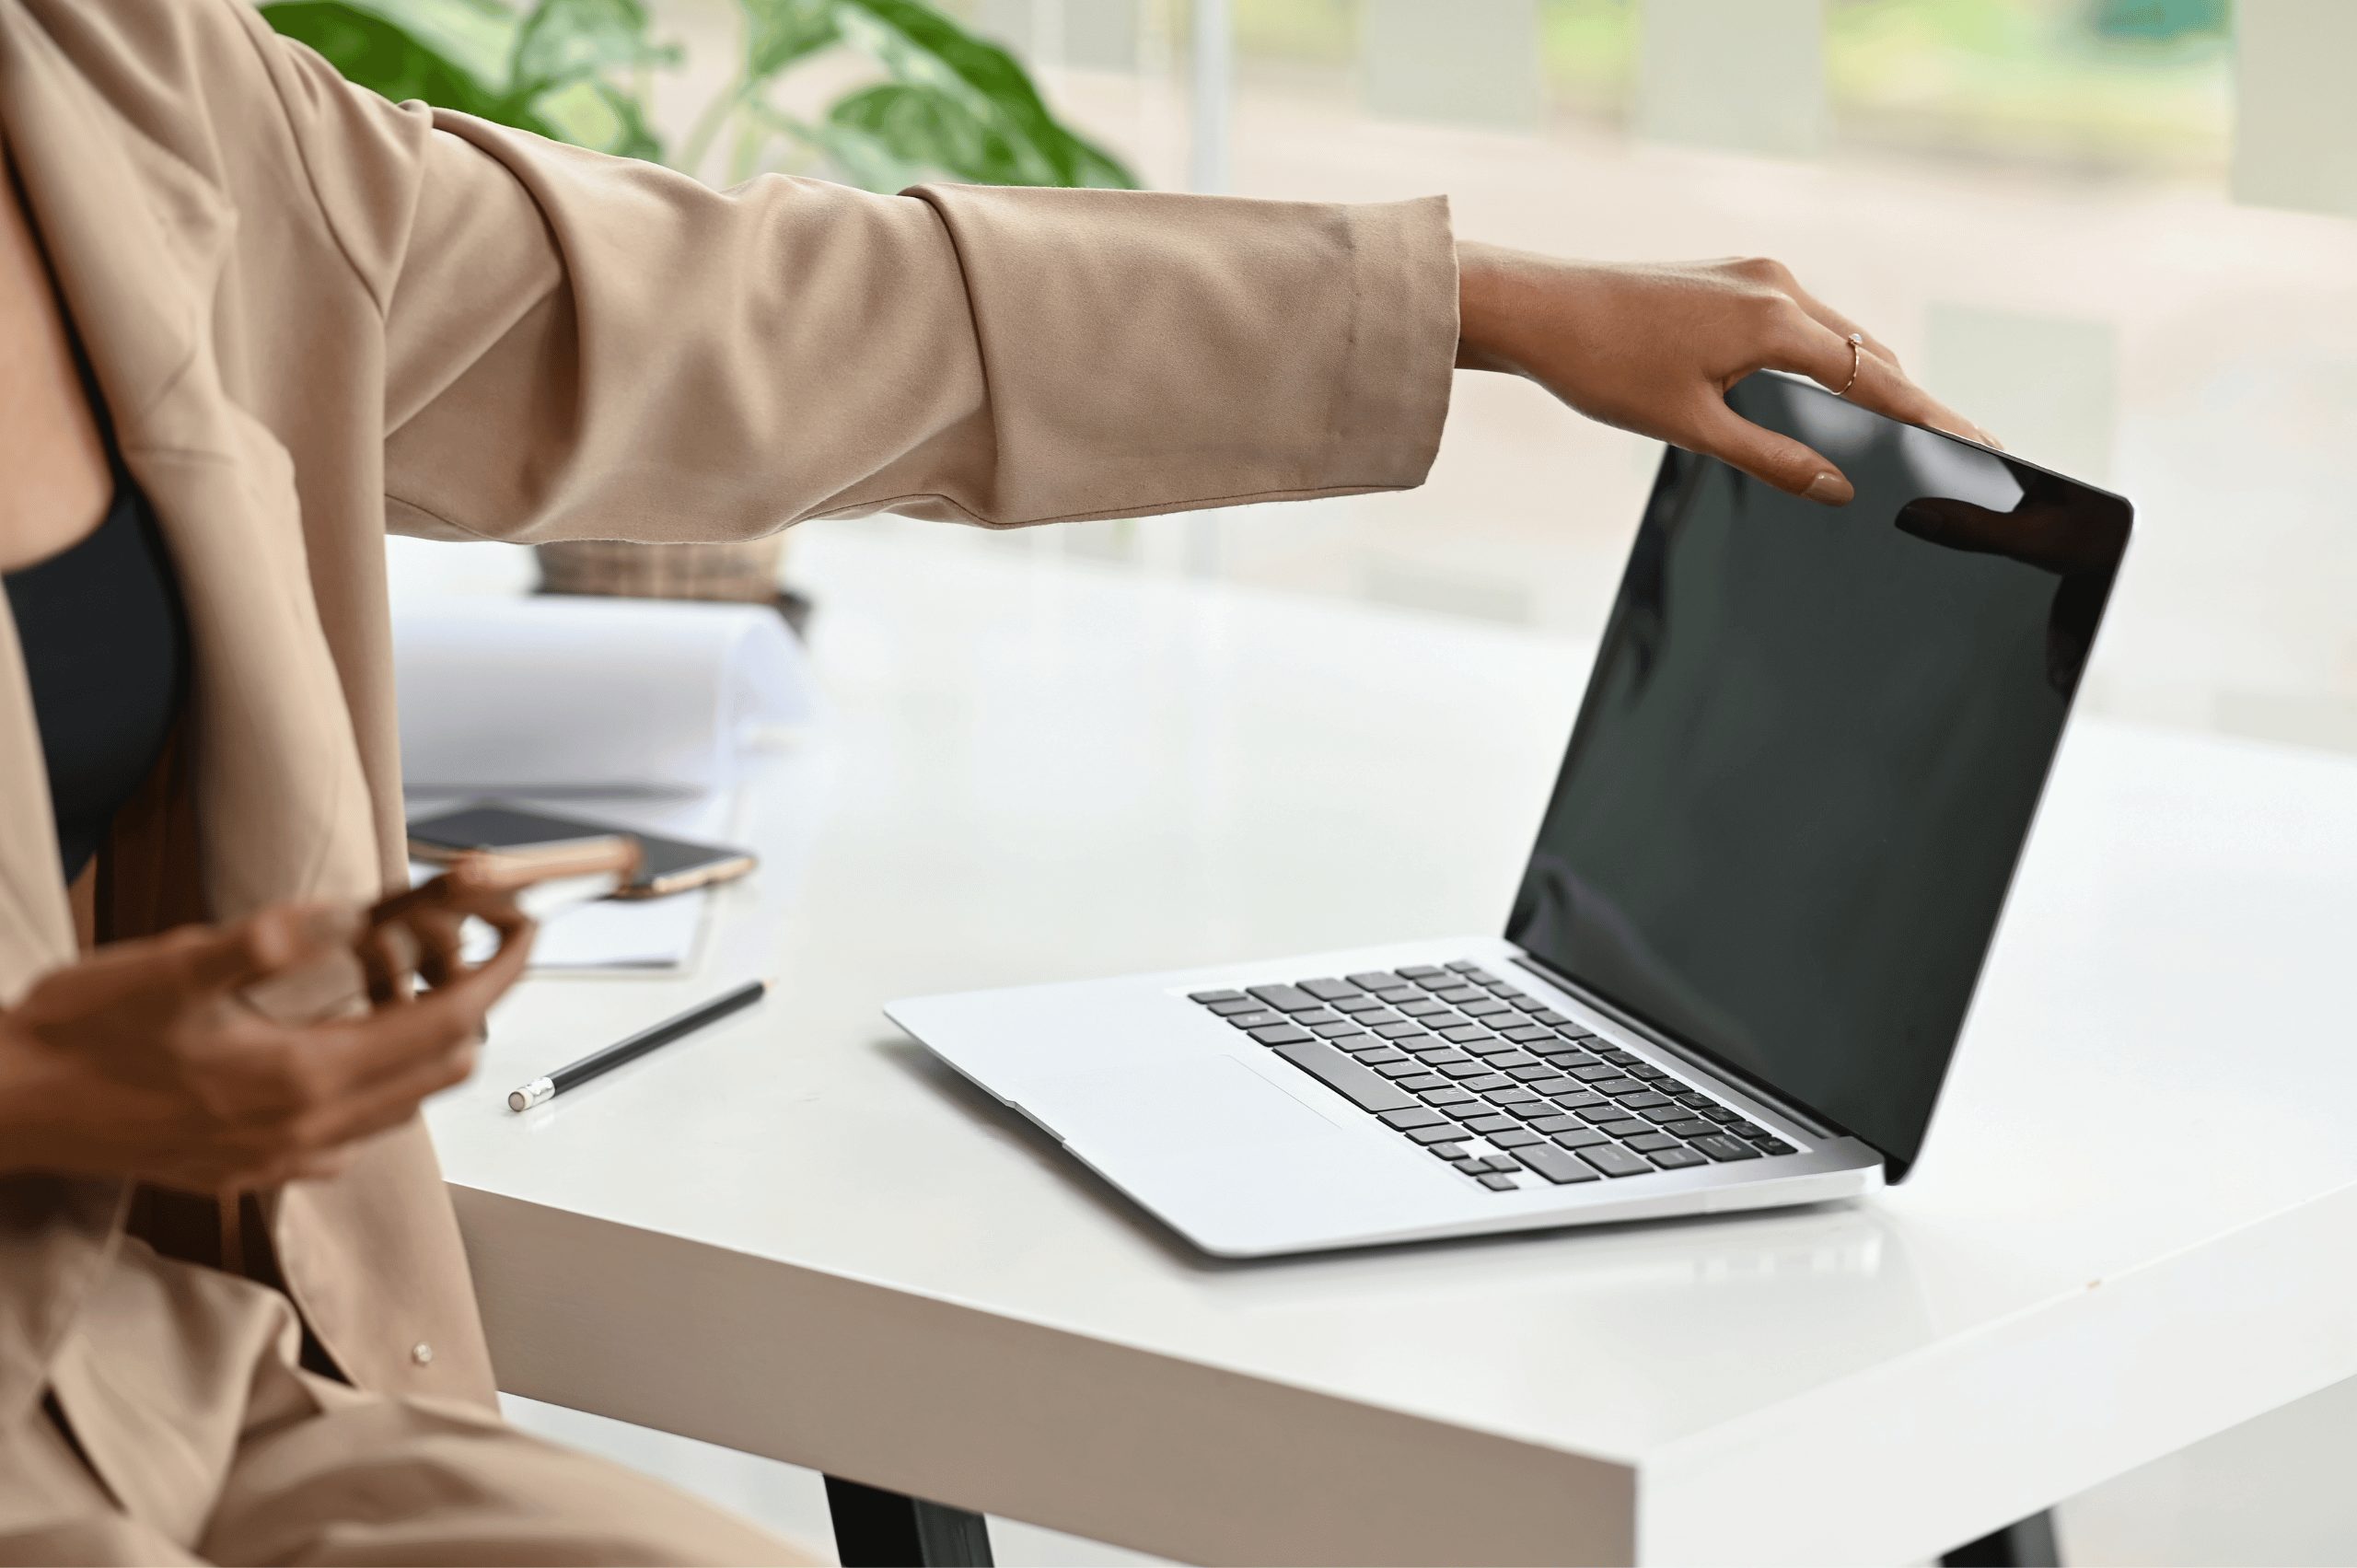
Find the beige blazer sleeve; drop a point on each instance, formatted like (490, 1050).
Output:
(580, 346)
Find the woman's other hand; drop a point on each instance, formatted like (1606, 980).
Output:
(142, 1060)
(1654, 348)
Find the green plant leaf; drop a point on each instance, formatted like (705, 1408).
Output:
(920, 47)
(779, 32)
(638, 138)
(923, 127)
(563, 42)
(384, 57)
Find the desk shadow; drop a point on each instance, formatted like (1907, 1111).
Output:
(1841, 1238)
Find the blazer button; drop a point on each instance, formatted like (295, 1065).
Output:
(421, 1354)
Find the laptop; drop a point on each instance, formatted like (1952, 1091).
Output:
(1752, 921)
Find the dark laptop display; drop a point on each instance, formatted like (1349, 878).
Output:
(1810, 752)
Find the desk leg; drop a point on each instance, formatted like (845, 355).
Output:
(875, 1529)
(2024, 1544)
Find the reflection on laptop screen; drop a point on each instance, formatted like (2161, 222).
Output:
(1810, 752)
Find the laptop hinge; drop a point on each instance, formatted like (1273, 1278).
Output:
(1807, 1119)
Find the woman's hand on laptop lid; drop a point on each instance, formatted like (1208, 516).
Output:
(1653, 347)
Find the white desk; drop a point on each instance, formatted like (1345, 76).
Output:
(798, 1237)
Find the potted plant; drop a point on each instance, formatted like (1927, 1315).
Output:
(930, 100)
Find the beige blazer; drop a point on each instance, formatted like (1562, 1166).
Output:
(315, 315)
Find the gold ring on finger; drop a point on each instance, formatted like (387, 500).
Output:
(1857, 342)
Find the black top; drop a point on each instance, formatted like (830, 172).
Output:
(105, 644)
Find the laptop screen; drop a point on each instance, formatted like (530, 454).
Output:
(1810, 752)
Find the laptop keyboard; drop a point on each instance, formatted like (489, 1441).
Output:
(1497, 1083)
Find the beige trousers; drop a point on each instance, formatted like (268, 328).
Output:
(181, 1429)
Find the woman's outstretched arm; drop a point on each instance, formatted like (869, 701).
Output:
(577, 345)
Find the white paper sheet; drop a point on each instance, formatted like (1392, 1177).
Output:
(579, 694)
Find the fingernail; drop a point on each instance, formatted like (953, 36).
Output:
(1829, 488)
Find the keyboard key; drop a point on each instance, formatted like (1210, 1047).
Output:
(1514, 1094)
(1209, 997)
(1616, 1088)
(1455, 994)
(1424, 1007)
(1773, 1147)
(1556, 1121)
(1721, 1147)
(1394, 1031)
(1671, 1159)
(1605, 1112)
(1438, 1054)
(1624, 1128)
(1691, 1101)
(1692, 1128)
(1450, 1152)
(1280, 1034)
(1417, 972)
(1724, 1113)
(1592, 1073)
(1410, 1116)
(1652, 1142)
(1528, 1004)
(1618, 1057)
(1490, 1046)
(1259, 1018)
(1395, 997)
(1614, 1160)
(1285, 998)
(1548, 1016)
(1555, 1085)
(1516, 1138)
(1241, 1004)
(1493, 1122)
(1487, 1082)
(1315, 1015)
(1486, 1009)
(1642, 1101)
(1416, 1041)
(1583, 1103)
(1357, 1004)
(1497, 1181)
(1329, 990)
(1662, 1114)
(1528, 1072)
(1337, 1072)
(1533, 1110)
(1384, 1058)
(1552, 1163)
(1333, 1026)
(1375, 979)
(1419, 1083)
(1580, 1138)
(1404, 1068)
(1507, 1061)
(1464, 1034)
(1443, 1133)
(1466, 1070)
(1358, 1045)
(1524, 1034)
(1447, 1094)
(1465, 966)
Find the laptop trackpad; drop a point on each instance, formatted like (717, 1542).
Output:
(1210, 1102)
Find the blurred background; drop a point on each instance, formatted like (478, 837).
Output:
(2118, 232)
(2115, 231)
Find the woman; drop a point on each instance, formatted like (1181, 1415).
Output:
(248, 315)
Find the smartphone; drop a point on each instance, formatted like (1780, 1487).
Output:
(545, 879)
(665, 865)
